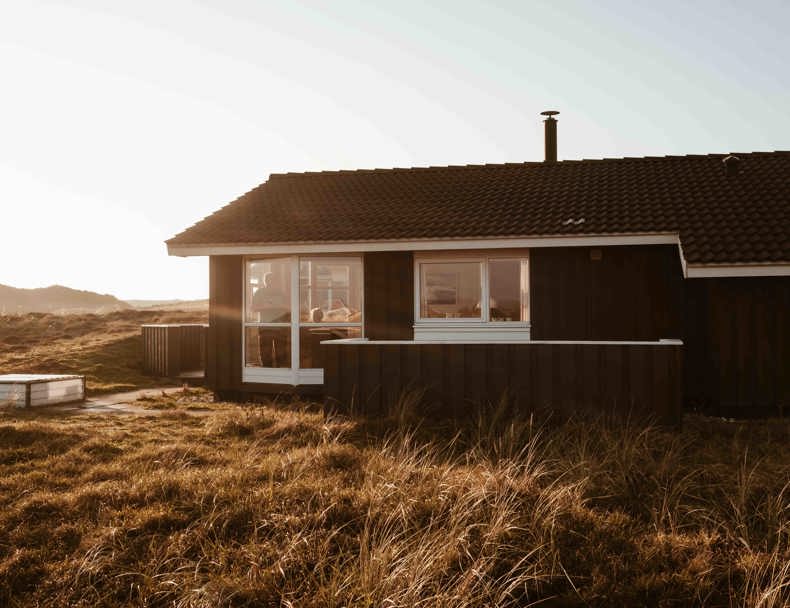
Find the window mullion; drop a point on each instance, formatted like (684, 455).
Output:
(524, 290)
(485, 303)
(295, 319)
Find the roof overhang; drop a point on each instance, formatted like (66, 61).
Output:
(779, 269)
(580, 240)
(690, 271)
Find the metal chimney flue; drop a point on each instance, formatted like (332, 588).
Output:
(551, 135)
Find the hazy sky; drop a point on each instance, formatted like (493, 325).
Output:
(122, 123)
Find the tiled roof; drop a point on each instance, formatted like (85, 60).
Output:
(721, 218)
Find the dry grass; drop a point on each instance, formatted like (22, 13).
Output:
(107, 349)
(277, 506)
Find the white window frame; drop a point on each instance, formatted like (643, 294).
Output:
(478, 329)
(294, 375)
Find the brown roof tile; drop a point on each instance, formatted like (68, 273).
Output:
(721, 218)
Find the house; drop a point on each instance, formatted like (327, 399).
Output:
(643, 283)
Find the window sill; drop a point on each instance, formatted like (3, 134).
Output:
(273, 375)
(472, 331)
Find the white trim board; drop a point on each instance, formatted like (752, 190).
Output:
(283, 375)
(582, 240)
(738, 270)
(363, 341)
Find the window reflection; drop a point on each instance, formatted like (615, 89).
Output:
(330, 291)
(450, 290)
(507, 298)
(267, 347)
(269, 291)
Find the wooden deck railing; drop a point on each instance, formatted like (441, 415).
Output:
(640, 377)
(174, 351)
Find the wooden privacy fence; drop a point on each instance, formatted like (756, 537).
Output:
(643, 377)
(175, 351)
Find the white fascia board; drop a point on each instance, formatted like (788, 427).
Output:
(365, 342)
(738, 270)
(683, 264)
(581, 240)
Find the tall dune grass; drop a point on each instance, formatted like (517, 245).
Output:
(279, 506)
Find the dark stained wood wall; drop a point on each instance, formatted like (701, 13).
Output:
(631, 293)
(389, 295)
(223, 361)
(735, 330)
(738, 346)
(370, 378)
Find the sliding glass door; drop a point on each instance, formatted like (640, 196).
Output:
(291, 305)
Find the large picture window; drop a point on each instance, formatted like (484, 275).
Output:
(464, 296)
(291, 305)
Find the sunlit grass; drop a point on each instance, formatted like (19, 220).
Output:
(277, 505)
(107, 349)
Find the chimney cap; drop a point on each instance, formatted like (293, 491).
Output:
(732, 164)
(549, 113)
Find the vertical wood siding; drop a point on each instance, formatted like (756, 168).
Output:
(631, 293)
(457, 378)
(155, 357)
(169, 350)
(223, 361)
(735, 331)
(738, 345)
(389, 295)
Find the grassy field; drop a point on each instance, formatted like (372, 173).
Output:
(277, 506)
(203, 504)
(107, 349)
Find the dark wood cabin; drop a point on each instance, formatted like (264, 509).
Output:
(627, 284)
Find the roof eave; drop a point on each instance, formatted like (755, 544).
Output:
(424, 244)
(747, 269)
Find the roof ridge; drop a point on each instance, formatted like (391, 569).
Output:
(484, 166)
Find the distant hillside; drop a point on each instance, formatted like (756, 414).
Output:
(56, 299)
(194, 305)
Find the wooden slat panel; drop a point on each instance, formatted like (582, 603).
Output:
(370, 380)
(782, 376)
(389, 303)
(432, 373)
(455, 380)
(544, 374)
(674, 406)
(403, 314)
(169, 350)
(497, 381)
(461, 377)
(642, 397)
(332, 379)
(537, 382)
(563, 372)
(475, 372)
(173, 341)
(629, 294)
(749, 349)
(765, 317)
(410, 366)
(349, 376)
(519, 374)
(224, 340)
(392, 383)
